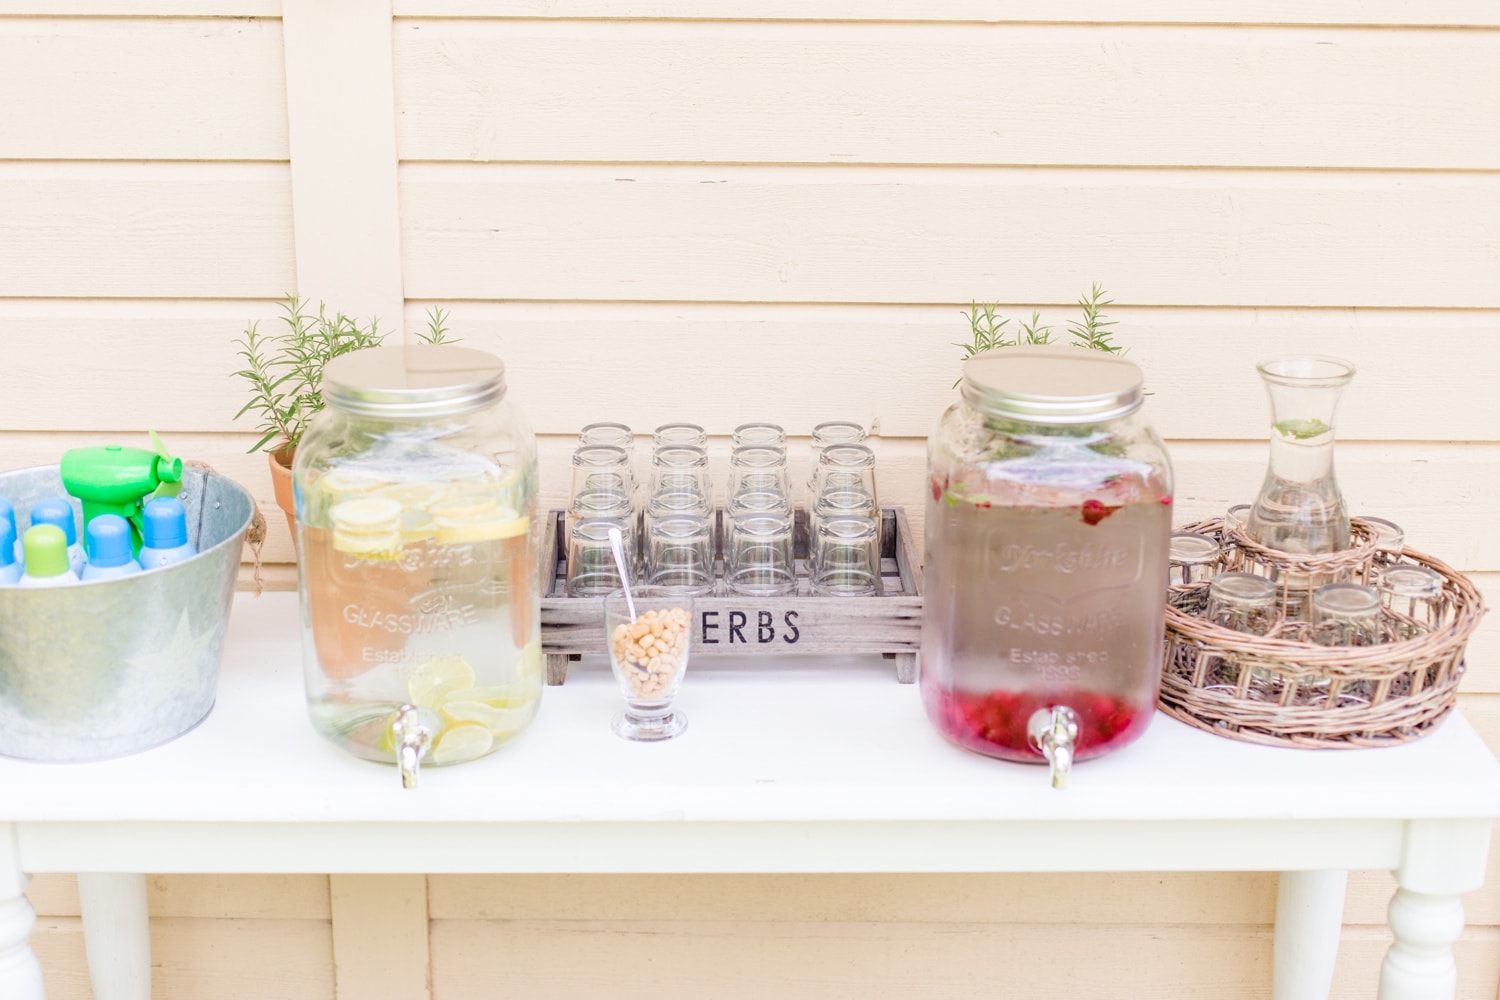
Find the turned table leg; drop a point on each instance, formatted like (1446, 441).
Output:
(20, 972)
(1309, 919)
(116, 934)
(1440, 862)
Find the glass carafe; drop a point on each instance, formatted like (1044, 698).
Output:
(1045, 577)
(416, 516)
(1300, 508)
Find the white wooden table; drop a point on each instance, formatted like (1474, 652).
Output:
(789, 765)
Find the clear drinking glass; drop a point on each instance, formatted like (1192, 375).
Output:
(844, 558)
(601, 468)
(679, 554)
(758, 468)
(1414, 593)
(680, 469)
(1192, 558)
(607, 432)
(1243, 602)
(591, 562)
(679, 436)
(649, 654)
(760, 434)
(758, 556)
(846, 464)
(1345, 614)
(1389, 539)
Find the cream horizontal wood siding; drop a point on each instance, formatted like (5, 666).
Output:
(723, 210)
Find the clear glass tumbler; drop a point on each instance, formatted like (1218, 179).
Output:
(591, 561)
(760, 434)
(649, 654)
(758, 556)
(1345, 614)
(844, 558)
(679, 554)
(679, 436)
(1192, 558)
(1415, 595)
(1243, 602)
(607, 432)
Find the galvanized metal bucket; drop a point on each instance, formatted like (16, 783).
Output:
(111, 667)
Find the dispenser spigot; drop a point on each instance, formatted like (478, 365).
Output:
(1054, 731)
(412, 737)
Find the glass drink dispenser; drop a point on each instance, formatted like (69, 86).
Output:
(1047, 528)
(416, 495)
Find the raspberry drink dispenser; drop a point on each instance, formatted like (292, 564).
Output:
(1048, 516)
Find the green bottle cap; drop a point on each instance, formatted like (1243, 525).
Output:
(46, 551)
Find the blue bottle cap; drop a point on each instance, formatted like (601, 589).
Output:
(109, 541)
(165, 524)
(56, 512)
(7, 542)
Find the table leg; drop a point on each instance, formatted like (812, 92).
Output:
(116, 934)
(20, 972)
(1440, 861)
(1309, 919)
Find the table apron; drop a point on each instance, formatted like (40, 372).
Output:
(598, 847)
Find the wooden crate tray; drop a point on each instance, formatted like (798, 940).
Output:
(890, 624)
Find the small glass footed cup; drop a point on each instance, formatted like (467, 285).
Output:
(649, 655)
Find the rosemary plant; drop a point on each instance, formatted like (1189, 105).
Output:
(285, 370)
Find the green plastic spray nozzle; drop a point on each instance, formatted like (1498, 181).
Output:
(112, 479)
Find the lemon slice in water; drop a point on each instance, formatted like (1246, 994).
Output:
(496, 709)
(433, 681)
(461, 742)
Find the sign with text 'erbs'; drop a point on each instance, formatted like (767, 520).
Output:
(744, 627)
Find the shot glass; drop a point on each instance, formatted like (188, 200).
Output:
(758, 556)
(1193, 558)
(649, 654)
(1415, 596)
(679, 554)
(844, 558)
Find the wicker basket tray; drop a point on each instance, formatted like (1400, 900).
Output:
(1281, 690)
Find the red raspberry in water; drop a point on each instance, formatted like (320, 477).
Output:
(1095, 511)
(937, 490)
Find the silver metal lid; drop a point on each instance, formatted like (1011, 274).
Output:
(1053, 384)
(414, 380)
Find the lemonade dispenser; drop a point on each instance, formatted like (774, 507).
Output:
(1044, 586)
(418, 538)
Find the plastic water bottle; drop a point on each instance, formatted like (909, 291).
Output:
(59, 512)
(46, 558)
(8, 514)
(165, 530)
(10, 567)
(109, 548)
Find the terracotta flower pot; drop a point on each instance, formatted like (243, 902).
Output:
(281, 483)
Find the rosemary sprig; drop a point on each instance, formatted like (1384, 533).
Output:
(987, 329)
(285, 370)
(1094, 332)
